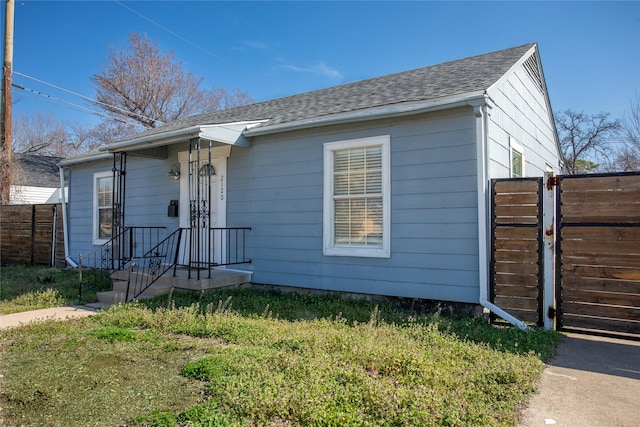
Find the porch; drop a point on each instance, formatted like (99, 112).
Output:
(143, 262)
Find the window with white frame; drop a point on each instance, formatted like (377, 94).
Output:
(102, 206)
(357, 203)
(517, 159)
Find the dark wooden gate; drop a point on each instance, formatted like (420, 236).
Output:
(516, 247)
(598, 253)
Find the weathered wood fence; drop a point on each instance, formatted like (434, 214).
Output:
(598, 255)
(597, 251)
(31, 235)
(516, 267)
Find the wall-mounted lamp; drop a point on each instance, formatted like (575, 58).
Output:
(174, 173)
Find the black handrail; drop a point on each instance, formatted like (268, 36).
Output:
(146, 269)
(227, 246)
(117, 253)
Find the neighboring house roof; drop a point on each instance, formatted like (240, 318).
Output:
(37, 170)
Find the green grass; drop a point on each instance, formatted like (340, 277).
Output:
(33, 288)
(249, 358)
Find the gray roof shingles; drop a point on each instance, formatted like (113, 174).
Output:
(37, 170)
(447, 79)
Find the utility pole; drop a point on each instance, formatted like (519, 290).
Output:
(5, 121)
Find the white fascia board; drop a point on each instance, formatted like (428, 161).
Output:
(155, 140)
(90, 157)
(395, 110)
(226, 133)
(230, 134)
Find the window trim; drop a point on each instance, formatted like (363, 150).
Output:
(96, 215)
(515, 146)
(329, 246)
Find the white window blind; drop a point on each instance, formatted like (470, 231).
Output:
(357, 194)
(103, 206)
(357, 209)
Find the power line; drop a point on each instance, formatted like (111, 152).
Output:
(95, 101)
(30, 94)
(184, 39)
(73, 106)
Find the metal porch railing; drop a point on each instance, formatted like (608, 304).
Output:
(223, 246)
(116, 254)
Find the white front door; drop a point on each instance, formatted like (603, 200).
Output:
(202, 206)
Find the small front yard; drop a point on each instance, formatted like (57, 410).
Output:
(34, 288)
(254, 358)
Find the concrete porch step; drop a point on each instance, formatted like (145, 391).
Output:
(219, 278)
(184, 280)
(155, 289)
(98, 305)
(111, 297)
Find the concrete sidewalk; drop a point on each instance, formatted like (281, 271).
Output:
(592, 382)
(57, 313)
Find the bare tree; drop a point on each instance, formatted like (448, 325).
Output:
(629, 157)
(39, 134)
(45, 135)
(584, 137)
(627, 160)
(81, 140)
(113, 130)
(150, 87)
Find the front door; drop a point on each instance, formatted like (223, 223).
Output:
(201, 199)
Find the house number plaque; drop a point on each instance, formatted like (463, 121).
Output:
(221, 187)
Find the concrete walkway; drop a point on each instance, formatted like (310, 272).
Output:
(592, 382)
(57, 313)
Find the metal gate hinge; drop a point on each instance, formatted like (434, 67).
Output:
(552, 182)
(551, 313)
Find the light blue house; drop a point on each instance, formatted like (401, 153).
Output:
(373, 187)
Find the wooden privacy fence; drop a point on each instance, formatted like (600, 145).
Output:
(597, 251)
(516, 266)
(31, 235)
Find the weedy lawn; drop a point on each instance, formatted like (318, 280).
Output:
(244, 357)
(34, 288)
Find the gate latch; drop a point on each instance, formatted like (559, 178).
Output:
(551, 313)
(552, 182)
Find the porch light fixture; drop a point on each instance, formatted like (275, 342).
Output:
(174, 173)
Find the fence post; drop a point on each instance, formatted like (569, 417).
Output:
(54, 235)
(33, 234)
(80, 277)
(549, 238)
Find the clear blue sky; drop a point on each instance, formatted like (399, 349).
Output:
(590, 50)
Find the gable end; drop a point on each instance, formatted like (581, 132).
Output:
(531, 66)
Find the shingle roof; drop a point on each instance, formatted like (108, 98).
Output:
(437, 81)
(37, 170)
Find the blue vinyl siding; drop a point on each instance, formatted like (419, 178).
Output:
(148, 193)
(276, 188)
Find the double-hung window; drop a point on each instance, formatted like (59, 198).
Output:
(517, 159)
(357, 203)
(102, 206)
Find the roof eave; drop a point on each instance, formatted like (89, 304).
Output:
(387, 111)
(224, 133)
(85, 158)
(159, 139)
